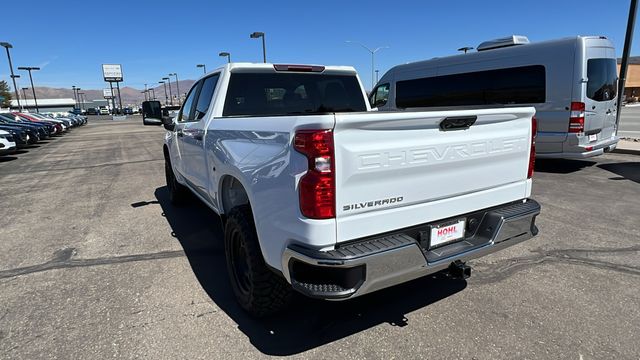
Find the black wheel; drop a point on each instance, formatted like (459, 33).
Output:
(177, 193)
(259, 290)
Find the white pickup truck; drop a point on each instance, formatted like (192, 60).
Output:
(320, 194)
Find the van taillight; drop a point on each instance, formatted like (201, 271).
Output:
(576, 120)
(532, 153)
(317, 186)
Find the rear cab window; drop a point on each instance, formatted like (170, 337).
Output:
(292, 93)
(602, 79)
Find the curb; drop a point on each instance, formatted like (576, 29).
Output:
(626, 151)
(634, 150)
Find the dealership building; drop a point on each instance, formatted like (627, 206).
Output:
(55, 105)
(632, 84)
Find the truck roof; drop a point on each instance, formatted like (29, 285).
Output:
(270, 67)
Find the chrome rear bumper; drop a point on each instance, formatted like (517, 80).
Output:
(375, 263)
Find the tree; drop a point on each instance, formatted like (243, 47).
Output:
(5, 94)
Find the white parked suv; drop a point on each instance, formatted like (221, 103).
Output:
(321, 195)
(7, 145)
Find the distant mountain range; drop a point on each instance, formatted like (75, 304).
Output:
(130, 96)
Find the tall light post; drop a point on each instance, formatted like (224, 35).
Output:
(29, 69)
(373, 53)
(81, 96)
(203, 66)
(465, 48)
(144, 92)
(228, 55)
(256, 35)
(74, 96)
(177, 86)
(170, 94)
(24, 94)
(153, 91)
(628, 38)
(377, 71)
(8, 46)
(166, 99)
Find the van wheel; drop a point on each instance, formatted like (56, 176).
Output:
(259, 290)
(177, 193)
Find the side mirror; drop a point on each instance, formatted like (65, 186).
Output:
(168, 123)
(152, 113)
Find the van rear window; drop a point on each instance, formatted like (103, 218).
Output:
(286, 93)
(602, 79)
(517, 85)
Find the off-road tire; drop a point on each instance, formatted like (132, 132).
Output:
(259, 290)
(178, 194)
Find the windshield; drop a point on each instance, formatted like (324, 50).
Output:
(602, 79)
(292, 94)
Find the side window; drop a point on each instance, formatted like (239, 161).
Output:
(186, 114)
(379, 96)
(205, 97)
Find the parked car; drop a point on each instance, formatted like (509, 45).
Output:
(127, 111)
(571, 82)
(32, 117)
(67, 123)
(104, 111)
(20, 136)
(321, 195)
(10, 119)
(92, 111)
(7, 144)
(56, 128)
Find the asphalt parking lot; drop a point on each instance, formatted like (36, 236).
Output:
(95, 263)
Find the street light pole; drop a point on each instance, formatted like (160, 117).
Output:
(23, 104)
(177, 86)
(29, 69)
(154, 93)
(24, 94)
(81, 95)
(625, 56)
(377, 75)
(373, 53)
(170, 94)
(227, 54)
(73, 88)
(203, 66)
(8, 46)
(166, 100)
(259, 34)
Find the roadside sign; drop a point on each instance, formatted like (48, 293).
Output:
(107, 94)
(112, 72)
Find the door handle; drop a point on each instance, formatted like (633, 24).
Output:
(608, 112)
(457, 122)
(180, 133)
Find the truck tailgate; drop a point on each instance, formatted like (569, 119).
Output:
(399, 169)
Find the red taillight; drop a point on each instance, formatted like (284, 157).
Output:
(532, 153)
(576, 119)
(317, 186)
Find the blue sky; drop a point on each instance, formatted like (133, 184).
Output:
(71, 39)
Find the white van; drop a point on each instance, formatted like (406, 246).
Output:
(571, 82)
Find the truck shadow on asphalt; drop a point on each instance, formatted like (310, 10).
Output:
(626, 171)
(307, 323)
(561, 166)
